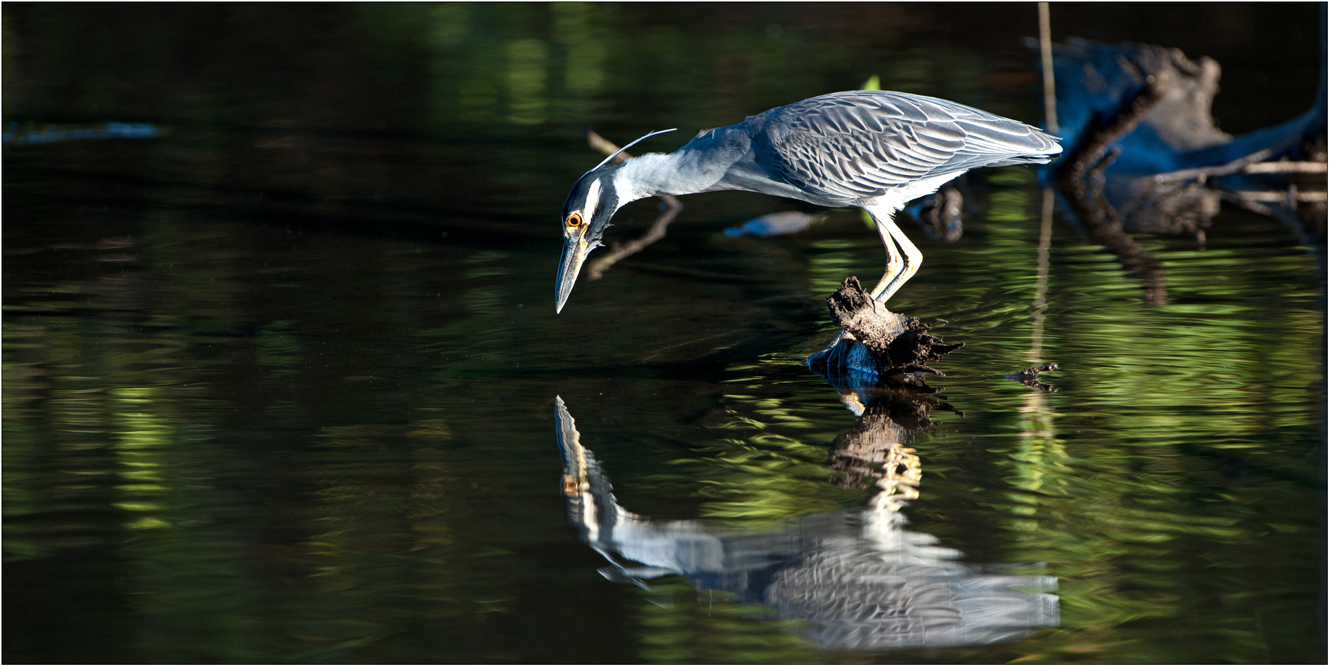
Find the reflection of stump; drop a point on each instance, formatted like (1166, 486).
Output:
(884, 345)
(874, 451)
(861, 454)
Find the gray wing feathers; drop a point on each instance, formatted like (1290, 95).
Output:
(860, 144)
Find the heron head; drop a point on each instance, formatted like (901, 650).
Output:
(586, 214)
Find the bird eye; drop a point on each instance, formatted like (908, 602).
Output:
(574, 220)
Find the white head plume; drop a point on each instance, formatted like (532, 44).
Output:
(607, 159)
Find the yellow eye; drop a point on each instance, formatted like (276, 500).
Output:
(574, 220)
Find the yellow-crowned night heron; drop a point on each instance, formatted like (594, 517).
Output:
(876, 150)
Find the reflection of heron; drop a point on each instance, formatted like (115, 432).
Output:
(858, 578)
(875, 150)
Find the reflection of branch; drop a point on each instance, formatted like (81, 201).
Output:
(1308, 220)
(1087, 162)
(1103, 226)
(597, 268)
(1044, 267)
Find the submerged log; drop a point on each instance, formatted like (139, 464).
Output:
(1145, 155)
(876, 346)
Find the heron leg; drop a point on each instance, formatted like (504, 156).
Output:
(913, 258)
(895, 264)
(898, 268)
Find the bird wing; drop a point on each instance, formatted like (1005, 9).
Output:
(861, 144)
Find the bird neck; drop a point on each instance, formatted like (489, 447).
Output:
(654, 174)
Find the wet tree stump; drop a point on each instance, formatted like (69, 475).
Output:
(876, 346)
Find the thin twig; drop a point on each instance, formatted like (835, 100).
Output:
(1242, 164)
(1049, 84)
(1288, 167)
(1276, 196)
(597, 268)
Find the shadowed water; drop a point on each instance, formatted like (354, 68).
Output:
(280, 375)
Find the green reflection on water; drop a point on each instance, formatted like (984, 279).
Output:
(573, 27)
(526, 81)
(687, 627)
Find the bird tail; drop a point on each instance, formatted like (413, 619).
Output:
(1027, 159)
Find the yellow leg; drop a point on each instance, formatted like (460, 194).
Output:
(898, 269)
(912, 260)
(894, 263)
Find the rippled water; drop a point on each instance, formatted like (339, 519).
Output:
(281, 382)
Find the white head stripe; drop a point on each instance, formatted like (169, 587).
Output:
(592, 200)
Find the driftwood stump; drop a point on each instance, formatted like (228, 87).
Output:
(1145, 155)
(876, 346)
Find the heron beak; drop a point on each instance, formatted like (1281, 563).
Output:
(574, 253)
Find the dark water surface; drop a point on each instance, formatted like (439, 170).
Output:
(280, 370)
